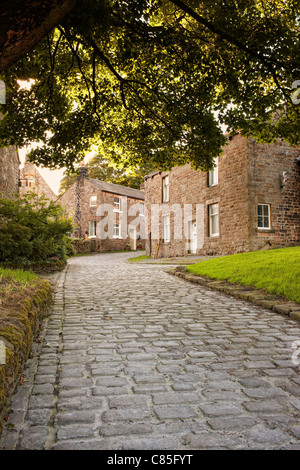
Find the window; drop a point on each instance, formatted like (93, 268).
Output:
(213, 215)
(165, 194)
(142, 209)
(263, 216)
(166, 228)
(213, 174)
(117, 204)
(93, 200)
(29, 183)
(117, 231)
(92, 231)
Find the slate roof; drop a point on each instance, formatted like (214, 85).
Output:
(117, 189)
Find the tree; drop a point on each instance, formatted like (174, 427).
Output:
(100, 168)
(23, 23)
(152, 81)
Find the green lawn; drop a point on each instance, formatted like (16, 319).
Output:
(276, 271)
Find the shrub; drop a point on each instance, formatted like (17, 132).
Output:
(32, 229)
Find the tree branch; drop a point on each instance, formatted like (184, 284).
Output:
(226, 36)
(21, 32)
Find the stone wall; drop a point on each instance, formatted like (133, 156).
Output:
(68, 201)
(249, 173)
(18, 329)
(9, 171)
(274, 179)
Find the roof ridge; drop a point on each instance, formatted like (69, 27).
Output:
(122, 189)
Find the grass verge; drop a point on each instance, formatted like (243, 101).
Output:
(137, 259)
(275, 271)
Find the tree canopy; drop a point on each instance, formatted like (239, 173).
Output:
(154, 81)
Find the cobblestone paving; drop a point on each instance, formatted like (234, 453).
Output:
(133, 358)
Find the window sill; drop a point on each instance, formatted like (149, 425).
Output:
(265, 230)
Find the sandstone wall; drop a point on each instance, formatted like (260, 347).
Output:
(274, 179)
(9, 171)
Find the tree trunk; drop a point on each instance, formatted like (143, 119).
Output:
(23, 23)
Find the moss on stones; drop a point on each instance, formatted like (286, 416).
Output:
(18, 327)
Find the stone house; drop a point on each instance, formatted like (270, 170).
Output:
(13, 180)
(110, 215)
(250, 201)
(31, 180)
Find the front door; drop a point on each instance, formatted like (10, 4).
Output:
(192, 236)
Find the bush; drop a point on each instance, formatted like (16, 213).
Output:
(32, 229)
(70, 249)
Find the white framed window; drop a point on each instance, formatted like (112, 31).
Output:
(166, 228)
(213, 220)
(92, 228)
(213, 175)
(166, 192)
(117, 230)
(93, 201)
(263, 216)
(117, 204)
(29, 182)
(142, 208)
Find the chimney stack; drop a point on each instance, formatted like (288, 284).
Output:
(83, 171)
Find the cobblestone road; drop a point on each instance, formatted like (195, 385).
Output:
(133, 358)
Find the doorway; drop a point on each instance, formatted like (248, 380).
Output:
(192, 237)
(132, 238)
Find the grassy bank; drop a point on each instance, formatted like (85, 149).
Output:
(17, 275)
(13, 283)
(276, 271)
(24, 302)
